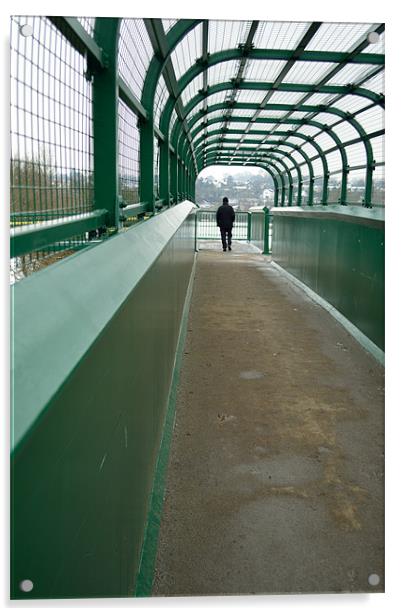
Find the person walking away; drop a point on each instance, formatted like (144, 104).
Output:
(225, 217)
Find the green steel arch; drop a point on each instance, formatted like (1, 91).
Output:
(302, 108)
(351, 72)
(267, 156)
(269, 54)
(266, 153)
(300, 122)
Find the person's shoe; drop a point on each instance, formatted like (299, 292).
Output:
(224, 249)
(229, 248)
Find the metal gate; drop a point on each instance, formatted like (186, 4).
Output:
(207, 229)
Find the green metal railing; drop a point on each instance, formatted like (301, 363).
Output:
(250, 226)
(207, 228)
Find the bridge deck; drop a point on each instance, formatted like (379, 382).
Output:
(275, 482)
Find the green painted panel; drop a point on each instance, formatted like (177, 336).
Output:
(257, 231)
(85, 448)
(341, 257)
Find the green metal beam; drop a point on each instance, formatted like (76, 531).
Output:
(263, 164)
(296, 165)
(160, 46)
(105, 121)
(192, 73)
(263, 54)
(245, 48)
(129, 98)
(284, 87)
(296, 53)
(262, 120)
(29, 238)
(303, 56)
(80, 40)
(156, 66)
(277, 161)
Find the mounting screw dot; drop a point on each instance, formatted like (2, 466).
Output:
(374, 579)
(26, 585)
(26, 30)
(373, 37)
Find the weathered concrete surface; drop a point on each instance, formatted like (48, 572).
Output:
(275, 483)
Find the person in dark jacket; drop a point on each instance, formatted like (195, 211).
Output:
(225, 217)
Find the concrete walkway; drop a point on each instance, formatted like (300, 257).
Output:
(275, 482)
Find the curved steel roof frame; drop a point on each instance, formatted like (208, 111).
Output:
(244, 53)
(184, 132)
(342, 65)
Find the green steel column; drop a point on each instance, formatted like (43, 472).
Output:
(299, 196)
(275, 204)
(325, 190)
(146, 158)
(344, 180)
(283, 195)
(174, 177)
(369, 175)
(186, 183)
(248, 228)
(146, 137)
(266, 249)
(290, 189)
(311, 187)
(164, 171)
(193, 189)
(105, 121)
(179, 182)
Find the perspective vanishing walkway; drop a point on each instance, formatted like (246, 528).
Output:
(275, 480)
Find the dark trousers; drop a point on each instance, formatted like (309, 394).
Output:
(226, 234)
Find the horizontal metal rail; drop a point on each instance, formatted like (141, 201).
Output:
(28, 238)
(207, 228)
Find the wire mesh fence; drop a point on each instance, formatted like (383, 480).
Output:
(52, 167)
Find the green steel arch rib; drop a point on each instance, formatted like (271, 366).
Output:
(264, 163)
(272, 142)
(286, 87)
(267, 154)
(315, 109)
(295, 146)
(291, 56)
(164, 45)
(312, 123)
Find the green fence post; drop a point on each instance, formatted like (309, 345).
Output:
(290, 192)
(266, 249)
(196, 231)
(311, 189)
(249, 227)
(164, 171)
(344, 183)
(299, 196)
(105, 121)
(173, 177)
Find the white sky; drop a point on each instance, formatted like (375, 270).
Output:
(219, 171)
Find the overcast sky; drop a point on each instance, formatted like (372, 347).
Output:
(219, 171)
